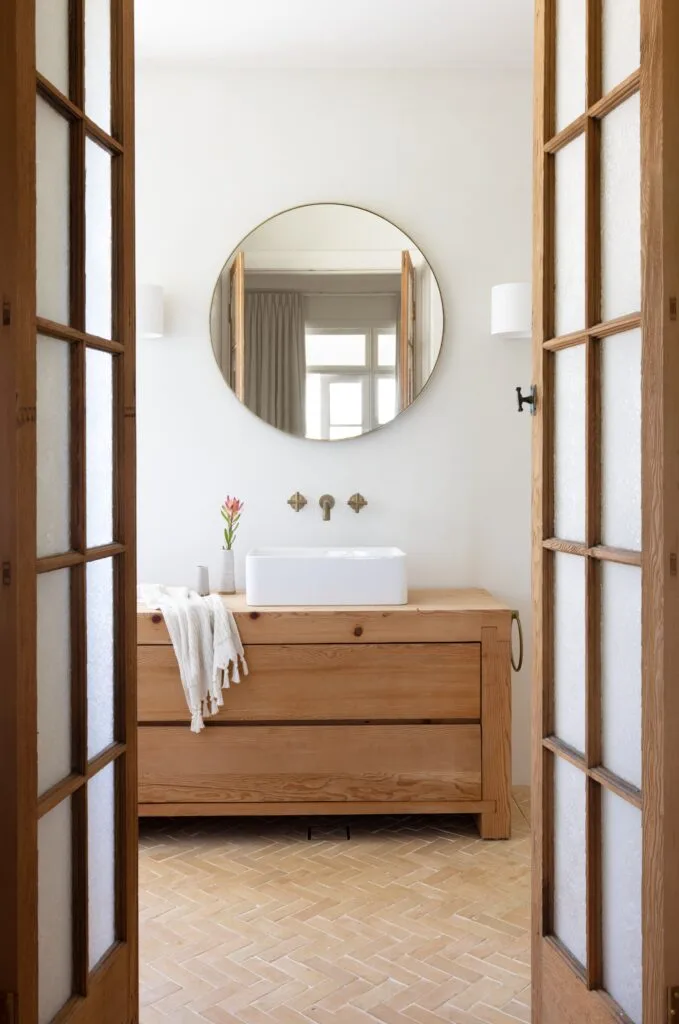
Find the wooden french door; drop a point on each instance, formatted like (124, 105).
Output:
(606, 512)
(68, 857)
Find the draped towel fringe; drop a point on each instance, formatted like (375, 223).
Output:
(207, 645)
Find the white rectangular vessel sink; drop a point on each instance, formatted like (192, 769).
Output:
(325, 576)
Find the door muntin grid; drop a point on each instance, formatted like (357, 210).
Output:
(80, 296)
(583, 724)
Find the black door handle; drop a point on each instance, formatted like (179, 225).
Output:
(531, 399)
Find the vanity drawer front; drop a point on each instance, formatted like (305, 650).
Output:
(310, 764)
(318, 682)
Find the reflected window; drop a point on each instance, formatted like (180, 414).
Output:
(350, 380)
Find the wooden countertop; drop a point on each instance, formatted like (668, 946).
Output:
(445, 599)
(442, 614)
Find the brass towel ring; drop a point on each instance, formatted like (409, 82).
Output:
(517, 618)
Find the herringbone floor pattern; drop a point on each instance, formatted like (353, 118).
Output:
(415, 919)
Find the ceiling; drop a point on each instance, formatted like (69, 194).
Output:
(336, 33)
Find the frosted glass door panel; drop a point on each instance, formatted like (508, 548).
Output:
(98, 247)
(621, 40)
(51, 41)
(52, 214)
(100, 656)
(621, 210)
(99, 380)
(571, 75)
(569, 650)
(621, 441)
(570, 237)
(621, 871)
(569, 859)
(98, 62)
(55, 911)
(53, 416)
(101, 863)
(621, 670)
(54, 678)
(569, 443)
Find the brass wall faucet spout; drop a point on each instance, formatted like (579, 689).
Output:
(327, 502)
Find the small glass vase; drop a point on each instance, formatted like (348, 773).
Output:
(227, 574)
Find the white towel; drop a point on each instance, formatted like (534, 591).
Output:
(206, 642)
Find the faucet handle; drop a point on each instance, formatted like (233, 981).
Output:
(297, 501)
(357, 502)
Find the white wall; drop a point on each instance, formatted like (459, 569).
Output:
(447, 157)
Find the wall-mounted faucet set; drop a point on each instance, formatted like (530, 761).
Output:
(327, 503)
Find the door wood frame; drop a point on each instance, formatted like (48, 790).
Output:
(18, 860)
(109, 993)
(658, 82)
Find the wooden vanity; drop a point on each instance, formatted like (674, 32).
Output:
(345, 711)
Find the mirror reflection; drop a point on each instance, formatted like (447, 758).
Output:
(327, 321)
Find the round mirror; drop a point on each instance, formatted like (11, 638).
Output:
(326, 321)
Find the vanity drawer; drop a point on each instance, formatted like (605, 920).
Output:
(318, 682)
(310, 764)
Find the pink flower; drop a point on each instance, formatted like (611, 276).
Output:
(230, 512)
(233, 505)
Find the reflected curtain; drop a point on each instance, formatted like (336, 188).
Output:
(275, 359)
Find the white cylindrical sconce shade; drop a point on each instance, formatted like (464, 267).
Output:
(150, 311)
(511, 310)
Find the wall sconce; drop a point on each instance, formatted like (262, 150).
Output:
(150, 311)
(511, 311)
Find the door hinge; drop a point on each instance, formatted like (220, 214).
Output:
(673, 563)
(6, 574)
(673, 1003)
(6, 313)
(673, 307)
(8, 1008)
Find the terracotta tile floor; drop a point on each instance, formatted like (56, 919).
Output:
(415, 919)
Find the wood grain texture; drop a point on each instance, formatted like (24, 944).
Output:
(599, 551)
(431, 616)
(18, 858)
(113, 990)
(594, 884)
(321, 681)
(496, 733)
(660, 489)
(542, 500)
(616, 96)
(338, 685)
(559, 994)
(125, 505)
(291, 808)
(565, 341)
(309, 763)
(107, 999)
(71, 334)
(566, 999)
(567, 134)
(607, 329)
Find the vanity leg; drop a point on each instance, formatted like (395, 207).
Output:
(496, 728)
